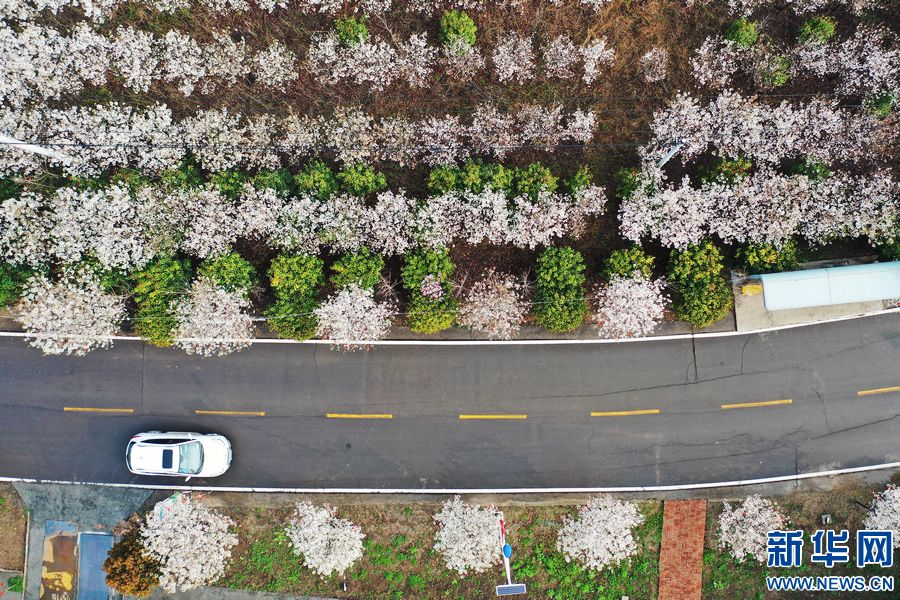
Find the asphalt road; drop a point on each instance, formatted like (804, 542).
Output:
(692, 439)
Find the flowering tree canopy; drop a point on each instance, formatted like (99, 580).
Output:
(213, 321)
(494, 305)
(629, 306)
(468, 536)
(601, 534)
(885, 512)
(352, 316)
(744, 529)
(326, 543)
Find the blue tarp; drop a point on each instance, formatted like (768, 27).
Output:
(835, 285)
(92, 551)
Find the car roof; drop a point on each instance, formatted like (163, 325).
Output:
(154, 458)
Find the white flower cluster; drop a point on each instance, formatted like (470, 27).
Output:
(109, 136)
(468, 536)
(736, 125)
(191, 542)
(44, 64)
(744, 529)
(495, 305)
(561, 55)
(71, 316)
(747, 7)
(601, 534)
(655, 64)
(326, 543)
(213, 321)
(885, 512)
(629, 306)
(764, 207)
(352, 316)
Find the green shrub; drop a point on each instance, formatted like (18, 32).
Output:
(817, 29)
(703, 297)
(420, 263)
(296, 280)
(628, 181)
(534, 178)
(425, 315)
(360, 180)
(157, 288)
(129, 569)
(889, 249)
(728, 170)
(229, 183)
(361, 267)
(626, 262)
(130, 178)
(775, 71)
(316, 179)
(458, 31)
(474, 176)
(187, 175)
(581, 180)
(813, 168)
(742, 32)
(881, 106)
(279, 180)
(12, 280)
(767, 258)
(230, 271)
(9, 188)
(559, 290)
(443, 179)
(352, 31)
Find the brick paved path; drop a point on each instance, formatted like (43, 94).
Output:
(681, 556)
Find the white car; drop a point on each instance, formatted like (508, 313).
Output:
(178, 454)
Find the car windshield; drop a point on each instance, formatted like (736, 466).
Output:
(190, 458)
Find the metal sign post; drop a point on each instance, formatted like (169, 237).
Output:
(510, 588)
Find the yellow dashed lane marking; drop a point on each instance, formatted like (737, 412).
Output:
(757, 404)
(625, 413)
(358, 416)
(886, 390)
(232, 413)
(97, 410)
(492, 417)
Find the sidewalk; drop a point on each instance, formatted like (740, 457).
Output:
(681, 555)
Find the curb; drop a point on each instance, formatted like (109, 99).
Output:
(532, 342)
(452, 491)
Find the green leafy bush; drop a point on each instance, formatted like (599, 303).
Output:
(728, 170)
(129, 569)
(12, 280)
(881, 106)
(626, 262)
(703, 297)
(418, 264)
(316, 179)
(628, 181)
(813, 168)
(279, 180)
(534, 178)
(230, 271)
(351, 31)
(443, 179)
(360, 180)
(157, 288)
(187, 175)
(559, 289)
(474, 176)
(361, 267)
(229, 183)
(775, 71)
(9, 188)
(742, 32)
(767, 258)
(295, 279)
(426, 315)
(130, 178)
(890, 249)
(817, 29)
(458, 31)
(581, 180)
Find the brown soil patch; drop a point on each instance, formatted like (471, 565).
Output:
(12, 529)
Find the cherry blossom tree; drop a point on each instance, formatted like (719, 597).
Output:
(743, 529)
(655, 64)
(495, 305)
(601, 534)
(352, 316)
(191, 542)
(71, 316)
(468, 536)
(885, 512)
(213, 321)
(629, 306)
(514, 59)
(327, 544)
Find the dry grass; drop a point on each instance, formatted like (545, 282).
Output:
(12, 529)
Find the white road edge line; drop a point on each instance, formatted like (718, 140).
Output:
(536, 342)
(448, 491)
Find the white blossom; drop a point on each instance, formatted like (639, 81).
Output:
(559, 57)
(743, 530)
(134, 57)
(602, 533)
(212, 221)
(352, 316)
(327, 544)
(213, 321)
(182, 61)
(514, 59)
(191, 542)
(275, 66)
(629, 306)
(495, 305)
(655, 64)
(596, 55)
(885, 513)
(468, 536)
(442, 138)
